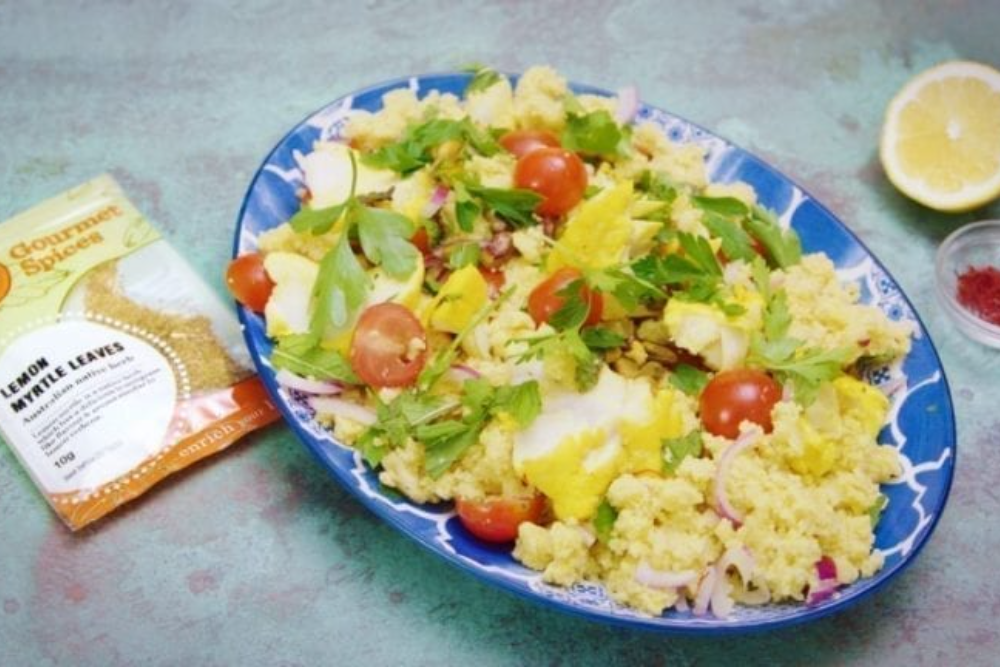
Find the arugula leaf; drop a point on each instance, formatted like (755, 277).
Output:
(340, 288)
(604, 521)
(317, 220)
(384, 236)
(601, 338)
(595, 133)
(523, 402)
(301, 354)
(688, 379)
(516, 206)
(675, 450)
(736, 243)
(725, 206)
(483, 78)
(782, 245)
(464, 254)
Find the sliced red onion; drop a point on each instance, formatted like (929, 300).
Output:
(628, 104)
(461, 372)
(722, 505)
(759, 595)
(662, 579)
(437, 200)
(824, 590)
(704, 595)
(721, 600)
(288, 379)
(341, 408)
(826, 568)
(500, 245)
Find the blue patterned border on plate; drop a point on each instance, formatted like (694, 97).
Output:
(921, 426)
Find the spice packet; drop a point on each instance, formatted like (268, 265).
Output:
(118, 365)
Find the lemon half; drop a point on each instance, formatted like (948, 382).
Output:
(941, 137)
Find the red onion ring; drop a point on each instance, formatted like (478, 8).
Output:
(437, 200)
(461, 372)
(662, 579)
(704, 595)
(341, 408)
(722, 505)
(628, 104)
(290, 380)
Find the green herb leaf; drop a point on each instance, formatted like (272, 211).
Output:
(736, 243)
(464, 254)
(782, 245)
(628, 288)
(384, 236)
(604, 521)
(440, 453)
(317, 221)
(688, 379)
(301, 354)
(601, 338)
(725, 206)
(805, 368)
(595, 133)
(675, 450)
(340, 289)
(515, 206)
(659, 185)
(699, 252)
(574, 309)
(483, 78)
(777, 318)
(523, 402)
(875, 511)
(413, 151)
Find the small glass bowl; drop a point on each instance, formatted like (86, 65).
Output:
(974, 245)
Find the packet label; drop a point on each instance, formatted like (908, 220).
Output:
(118, 366)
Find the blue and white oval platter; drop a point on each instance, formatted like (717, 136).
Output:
(921, 425)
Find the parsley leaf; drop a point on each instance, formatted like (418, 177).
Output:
(317, 220)
(688, 379)
(442, 451)
(604, 521)
(875, 511)
(782, 245)
(515, 206)
(736, 243)
(627, 288)
(601, 338)
(523, 402)
(725, 206)
(595, 133)
(482, 78)
(587, 365)
(675, 450)
(574, 308)
(301, 354)
(340, 288)
(384, 236)
(414, 150)
(658, 185)
(464, 254)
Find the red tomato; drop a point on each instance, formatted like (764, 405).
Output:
(248, 281)
(422, 240)
(389, 346)
(544, 300)
(737, 395)
(496, 519)
(556, 174)
(522, 142)
(495, 280)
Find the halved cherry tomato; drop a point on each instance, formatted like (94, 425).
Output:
(495, 280)
(422, 240)
(522, 142)
(496, 519)
(556, 174)
(248, 282)
(737, 395)
(545, 300)
(389, 347)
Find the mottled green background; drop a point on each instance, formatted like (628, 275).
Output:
(258, 558)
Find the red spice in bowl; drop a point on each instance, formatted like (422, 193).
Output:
(979, 291)
(968, 280)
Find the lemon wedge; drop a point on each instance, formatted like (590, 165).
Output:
(941, 137)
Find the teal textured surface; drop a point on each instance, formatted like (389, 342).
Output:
(258, 557)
